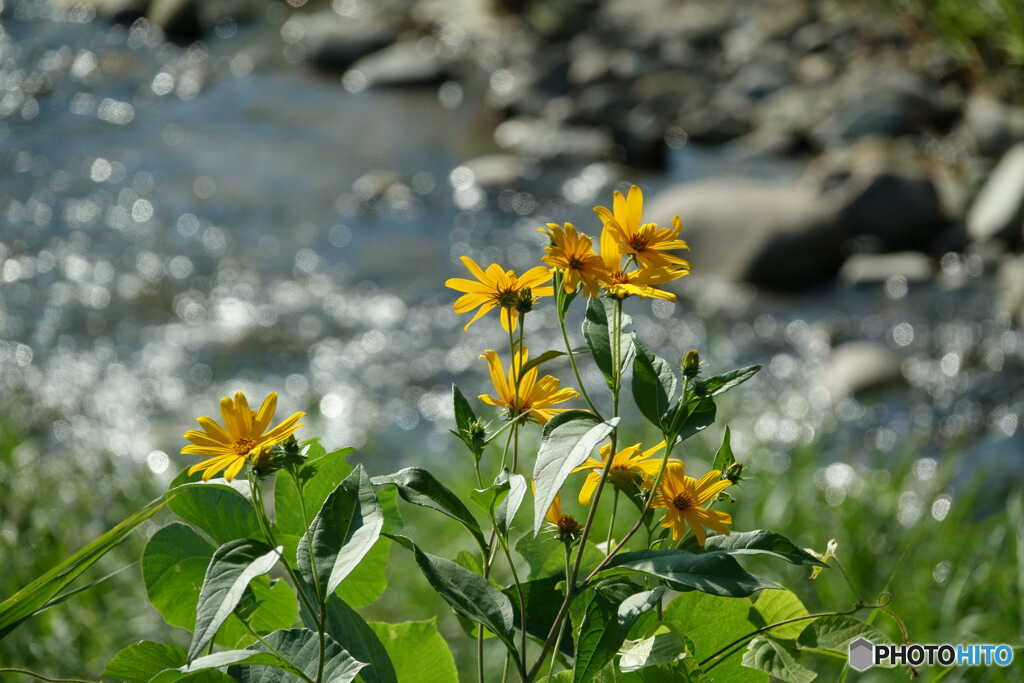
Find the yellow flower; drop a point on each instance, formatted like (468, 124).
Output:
(682, 498)
(567, 526)
(648, 242)
(629, 467)
(243, 437)
(497, 287)
(535, 396)
(640, 282)
(573, 253)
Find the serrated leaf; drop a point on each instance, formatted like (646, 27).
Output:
(773, 606)
(420, 487)
(143, 660)
(341, 534)
(654, 385)
(231, 568)
(772, 657)
(761, 542)
(719, 384)
(301, 649)
(716, 573)
(566, 442)
(418, 651)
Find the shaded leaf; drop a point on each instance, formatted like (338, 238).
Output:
(654, 385)
(761, 542)
(508, 507)
(716, 573)
(418, 651)
(772, 657)
(319, 475)
(719, 384)
(420, 487)
(604, 629)
(692, 417)
(301, 648)
(369, 579)
(724, 457)
(345, 625)
(143, 660)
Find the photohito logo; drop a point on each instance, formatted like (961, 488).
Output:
(863, 654)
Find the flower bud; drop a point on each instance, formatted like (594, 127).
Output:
(691, 363)
(735, 472)
(524, 302)
(478, 435)
(568, 529)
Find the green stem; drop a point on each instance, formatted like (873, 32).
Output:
(41, 677)
(611, 522)
(575, 367)
(561, 631)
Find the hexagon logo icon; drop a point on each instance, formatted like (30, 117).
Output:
(861, 654)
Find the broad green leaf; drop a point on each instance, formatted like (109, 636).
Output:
(597, 332)
(724, 457)
(220, 509)
(605, 628)
(716, 573)
(173, 566)
(203, 676)
(301, 648)
(27, 601)
(320, 474)
(711, 622)
(776, 660)
(654, 385)
(661, 648)
(832, 635)
(143, 660)
(345, 625)
(487, 498)
(420, 487)
(464, 415)
(550, 356)
(543, 598)
(545, 555)
(509, 506)
(369, 580)
(692, 417)
(469, 594)
(268, 605)
(418, 651)
(761, 542)
(773, 606)
(719, 384)
(341, 534)
(233, 566)
(566, 442)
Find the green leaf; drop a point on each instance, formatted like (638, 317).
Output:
(605, 628)
(507, 509)
(548, 356)
(220, 509)
(27, 601)
(773, 606)
(562, 298)
(346, 626)
(832, 635)
(566, 442)
(268, 606)
(710, 622)
(761, 542)
(203, 676)
(776, 660)
(596, 334)
(467, 593)
(320, 474)
(233, 566)
(661, 648)
(654, 385)
(341, 534)
(143, 660)
(724, 457)
(543, 599)
(419, 487)
(692, 417)
(418, 651)
(464, 415)
(369, 580)
(545, 555)
(719, 384)
(716, 573)
(301, 648)
(173, 566)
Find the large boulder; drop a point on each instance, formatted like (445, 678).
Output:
(998, 211)
(405, 64)
(860, 366)
(333, 43)
(778, 236)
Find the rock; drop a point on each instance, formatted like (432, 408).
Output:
(493, 171)
(1011, 289)
(761, 79)
(878, 268)
(542, 139)
(778, 236)
(998, 211)
(185, 21)
(993, 125)
(858, 367)
(887, 112)
(404, 64)
(333, 43)
(117, 11)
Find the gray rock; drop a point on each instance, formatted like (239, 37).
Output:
(878, 268)
(185, 21)
(778, 236)
(860, 366)
(998, 211)
(888, 112)
(493, 171)
(1011, 289)
(542, 139)
(334, 43)
(993, 125)
(404, 64)
(118, 11)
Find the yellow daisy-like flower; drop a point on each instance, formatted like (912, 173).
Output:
(535, 396)
(648, 242)
(629, 467)
(497, 287)
(641, 281)
(573, 253)
(682, 498)
(243, 437)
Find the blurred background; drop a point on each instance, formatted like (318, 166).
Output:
(204, 196)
